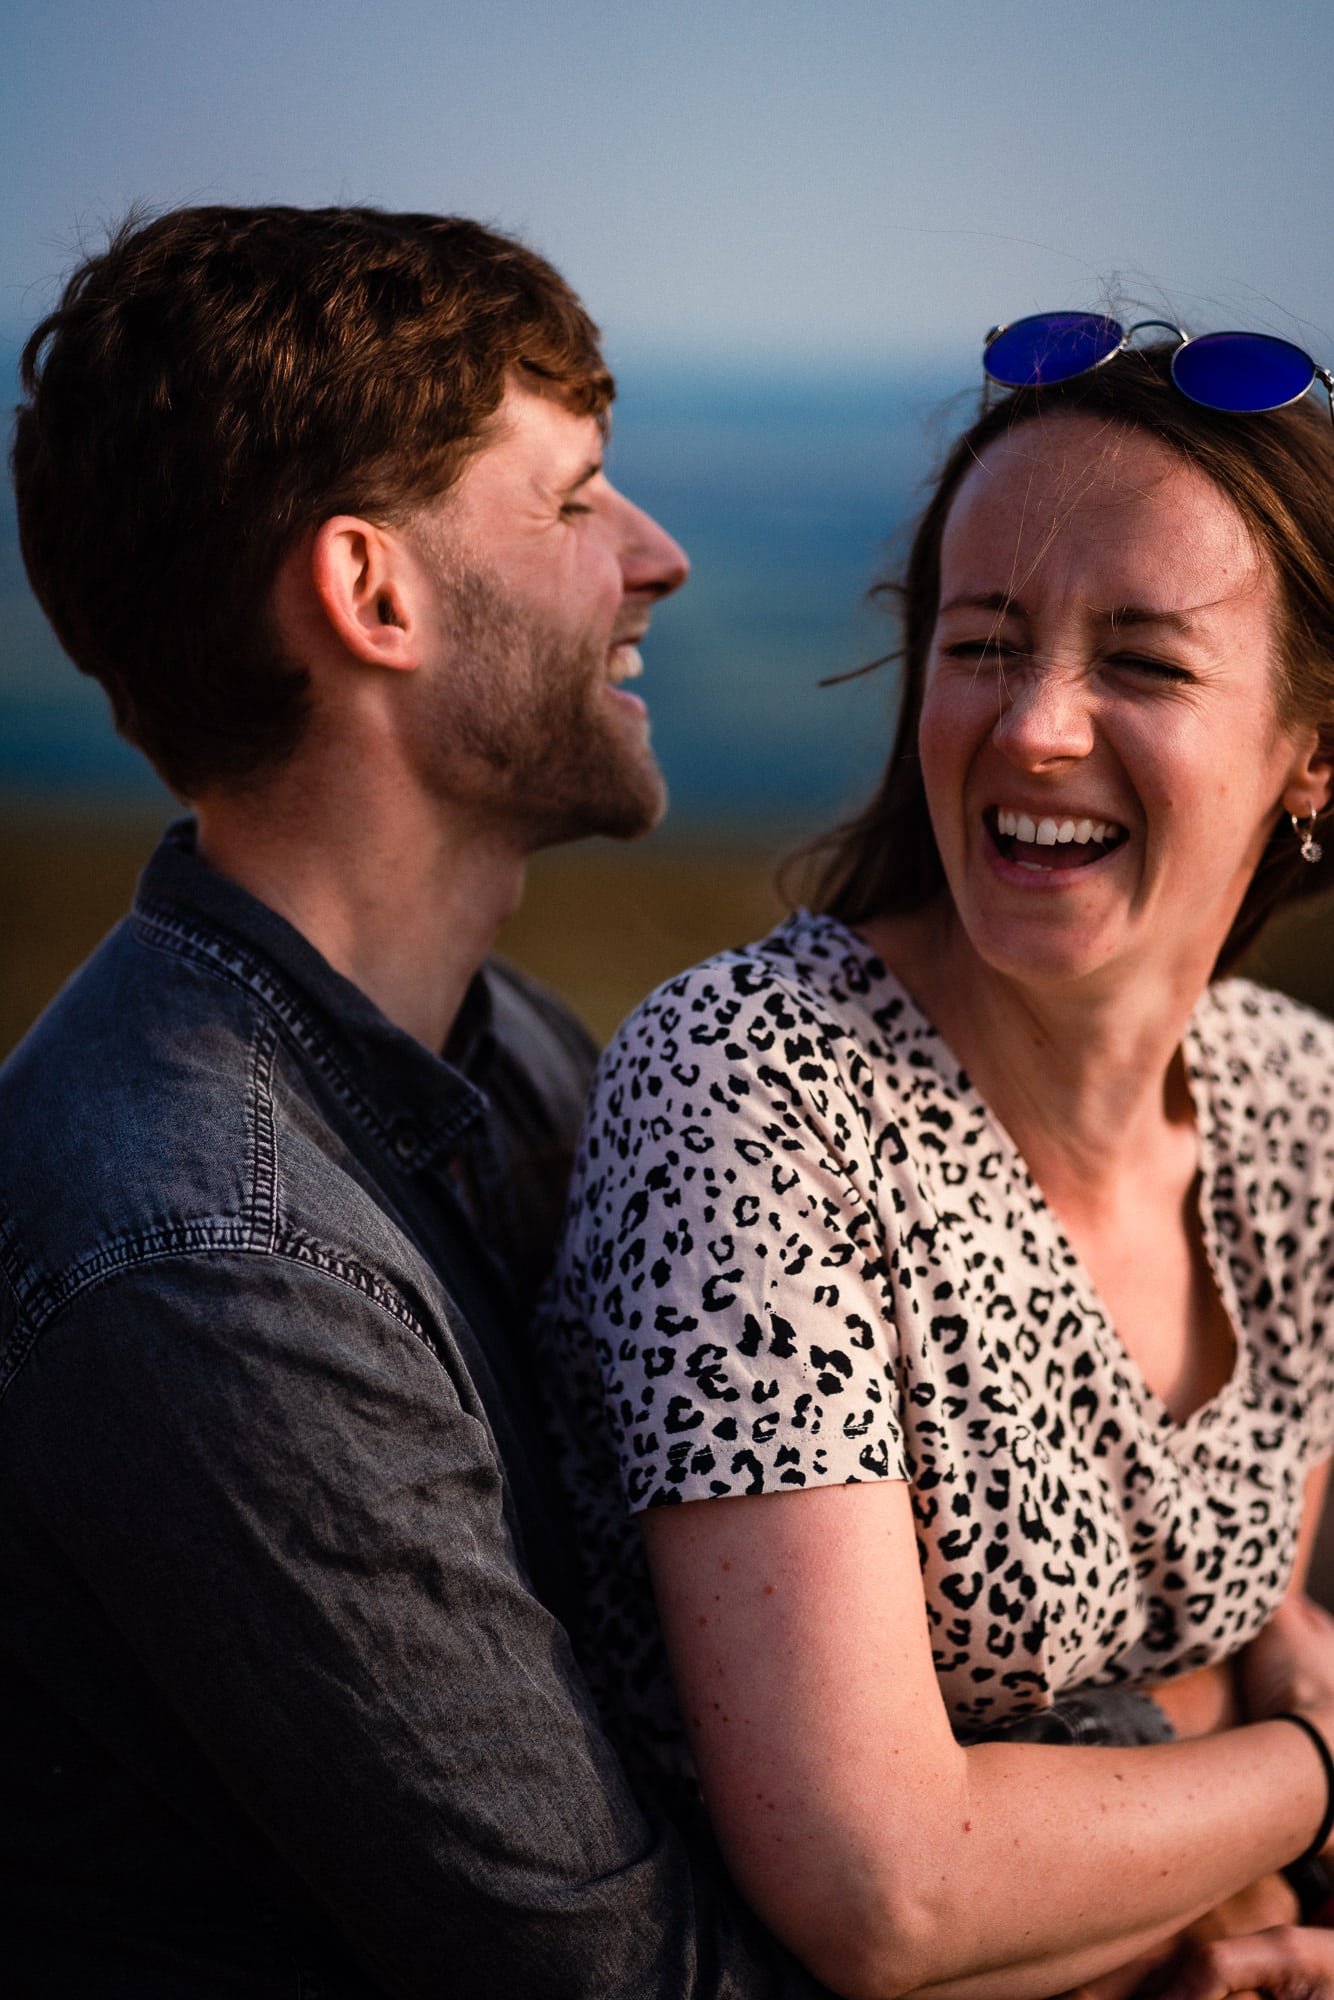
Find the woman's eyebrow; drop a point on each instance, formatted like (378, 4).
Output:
(985, 600)
(1141, 614)
(1120, 616)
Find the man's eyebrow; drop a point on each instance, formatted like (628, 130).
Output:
(590, 471)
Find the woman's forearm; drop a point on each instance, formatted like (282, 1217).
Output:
(996, 1894)
(1165, 1833)
(890, 1859)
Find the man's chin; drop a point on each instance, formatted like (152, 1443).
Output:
(653, 811)
(627, 813)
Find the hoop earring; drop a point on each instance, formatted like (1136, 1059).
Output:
(1311, 849)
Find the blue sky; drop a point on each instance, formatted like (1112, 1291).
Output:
(815, 182)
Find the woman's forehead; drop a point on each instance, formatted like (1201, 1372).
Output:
(1073, 495)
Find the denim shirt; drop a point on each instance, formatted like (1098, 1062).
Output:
(286, 1703)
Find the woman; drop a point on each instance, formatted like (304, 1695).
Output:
(973, 1211)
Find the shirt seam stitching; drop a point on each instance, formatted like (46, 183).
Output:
(158, 930)
(190, 1240)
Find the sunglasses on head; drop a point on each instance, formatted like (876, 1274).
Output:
(1243, 372)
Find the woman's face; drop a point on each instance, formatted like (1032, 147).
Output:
(1102, 757)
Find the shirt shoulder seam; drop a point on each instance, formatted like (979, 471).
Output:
(199, 1237)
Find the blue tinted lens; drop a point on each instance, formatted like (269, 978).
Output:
(1050, 347)
(1242, 371)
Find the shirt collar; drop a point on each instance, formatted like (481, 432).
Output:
(415, 1103)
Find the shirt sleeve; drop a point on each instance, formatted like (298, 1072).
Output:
(725, 1261)
(269, 1490)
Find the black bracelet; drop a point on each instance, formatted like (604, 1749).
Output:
(1328, 1762)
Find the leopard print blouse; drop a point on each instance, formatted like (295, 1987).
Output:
(801, 1250)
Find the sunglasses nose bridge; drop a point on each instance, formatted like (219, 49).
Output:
(1162, 326)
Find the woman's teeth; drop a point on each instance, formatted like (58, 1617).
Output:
(1055, 832)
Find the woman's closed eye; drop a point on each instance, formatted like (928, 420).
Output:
(1153, 667)
(992, 646)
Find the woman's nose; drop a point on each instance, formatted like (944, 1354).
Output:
(1045, 718)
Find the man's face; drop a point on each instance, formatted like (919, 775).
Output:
(546, 578)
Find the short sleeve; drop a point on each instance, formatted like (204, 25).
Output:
(724, 1265)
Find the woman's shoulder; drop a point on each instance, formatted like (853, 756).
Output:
(810, 973)
(1262, 1066)
(1264, 1039)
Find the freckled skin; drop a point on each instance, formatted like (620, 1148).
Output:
(1080, 697)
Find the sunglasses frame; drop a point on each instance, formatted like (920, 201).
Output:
(1183, 339)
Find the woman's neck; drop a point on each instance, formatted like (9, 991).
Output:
(1088, 1081)
(1091, 1086)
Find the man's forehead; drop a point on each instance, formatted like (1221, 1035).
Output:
(544, 415)
(534, 451)
(534, 444)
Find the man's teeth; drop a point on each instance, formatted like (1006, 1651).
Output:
(626, 664)
(1054, 832)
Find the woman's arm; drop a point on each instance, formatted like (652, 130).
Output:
(888, 1857)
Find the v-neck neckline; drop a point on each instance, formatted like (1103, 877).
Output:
(1183, 1434)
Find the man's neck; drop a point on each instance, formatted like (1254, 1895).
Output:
(397, 899)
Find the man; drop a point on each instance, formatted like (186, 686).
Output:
(287, 1705)
(286, 1702)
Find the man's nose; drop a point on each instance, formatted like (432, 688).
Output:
(653, 564)
(1045, 718)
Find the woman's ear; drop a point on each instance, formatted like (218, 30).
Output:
(1310, 774)
(367, 583)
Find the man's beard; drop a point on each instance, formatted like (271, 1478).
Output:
(521, 727)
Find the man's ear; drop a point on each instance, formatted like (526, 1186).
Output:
(367, 581)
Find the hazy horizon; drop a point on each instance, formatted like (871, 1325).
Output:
(789, 490)
(824, 208)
